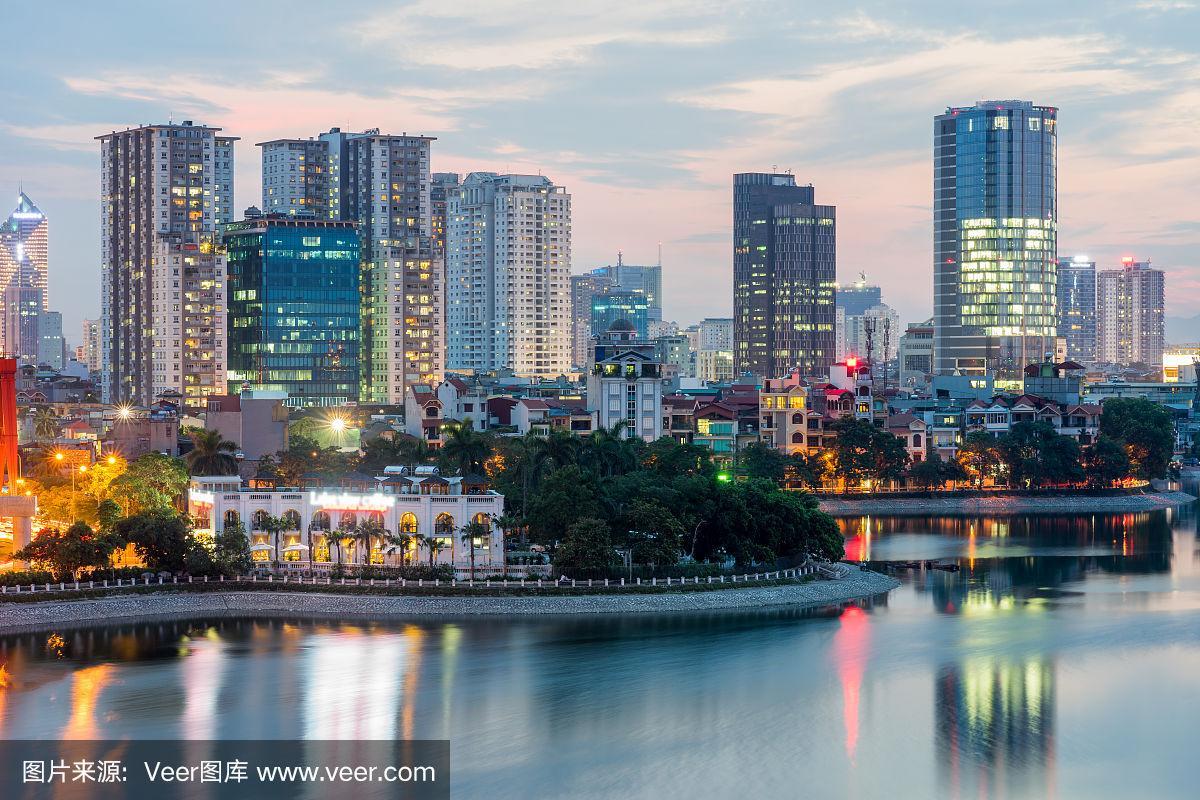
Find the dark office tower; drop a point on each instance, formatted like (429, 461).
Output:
(294, 308)
(1077, 307)
(784, 253)
(995, 237)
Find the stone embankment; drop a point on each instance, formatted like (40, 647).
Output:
(1048, 504)
(167, 604)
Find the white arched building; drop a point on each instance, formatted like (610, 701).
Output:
(432, 511)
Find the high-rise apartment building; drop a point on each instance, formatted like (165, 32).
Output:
(1129, 314)
(783, 276)
(614, 304)
(995, 232)
(644, 278)
(583, 289)
(508, 295)
(715, 333)
(89, 344)
(295, 178)
(382, 183)
(24, 268)
(442, 187)
(164, 191)
(1076, 297)
(294, 308)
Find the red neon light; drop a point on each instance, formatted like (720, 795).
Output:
(851, 362)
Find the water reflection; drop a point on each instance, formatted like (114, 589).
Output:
(995, 728)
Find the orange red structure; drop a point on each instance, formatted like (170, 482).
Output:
(10, 465)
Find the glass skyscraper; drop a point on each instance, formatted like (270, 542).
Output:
(612, 305)
(784, 257)
(1077, 307)
(294, 308)
(995, 212)
(644, 278)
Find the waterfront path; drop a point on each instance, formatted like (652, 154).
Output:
(1046, 504)
(857, 584)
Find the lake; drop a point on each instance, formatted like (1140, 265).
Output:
(1061, 660)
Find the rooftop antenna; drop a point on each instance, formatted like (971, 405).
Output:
(620, 256)
(660, 254)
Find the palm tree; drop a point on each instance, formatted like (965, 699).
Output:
(370, 529)
(609, 448)
(45, 424)
(434, 545)
(560, 448)
(273, 526)
(465, 448)
(471, 531)
(401, 540)
(211, 454)
(347, 530)
(413, 451)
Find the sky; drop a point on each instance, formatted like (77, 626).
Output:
(642, 110)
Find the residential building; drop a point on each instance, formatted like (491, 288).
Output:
(625, 383)
(51, 345)
(916, 353)
(614, 304)
(423, 418)
(783, 275)
(164, 191)
(910, 430)
(646, 279)
(508, 275)
(583, 289)
(658, 328)
(255, 420)
(716, 333)
(1129, 317)
(855, 298)
(421, 504)
(995, 209)
(90, 342)
(294, 308)
(784, 411)
(714, 366)
(441, 188)
(295, 178)
(676, 356)
(873, 335)
(1076, 297)
(134, 432)
(461, 401)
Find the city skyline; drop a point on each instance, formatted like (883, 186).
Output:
(872, 80)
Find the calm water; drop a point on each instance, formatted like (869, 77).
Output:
(1063, 660)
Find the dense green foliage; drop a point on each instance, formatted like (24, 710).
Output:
(1145, 430)
(68, 551)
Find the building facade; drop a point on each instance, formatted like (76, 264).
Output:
(1077, 307)
(855, 298)
(294, 308)
(784, 276)
(714, 366)
(583, 289)
(643, 278)
(508, 275)
(90, 343)
(916, 353)
(164, 191)
(614, 304)
(715, 333)
(995, 208)
(1129, 317)
(625, 384)
(295, 178)
(24, 271)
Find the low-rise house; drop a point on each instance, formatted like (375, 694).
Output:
(423, 418)
(912, 431)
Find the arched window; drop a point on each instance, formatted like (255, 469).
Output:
(797, 438)
(292, 519)
(408, 523)
(916, 440)
(443, 525)
(483, 519)
(374, 516)
(320, 520)
(797, 419)
(232, 518)
(347, 520)
(260, 519)
(431, 411)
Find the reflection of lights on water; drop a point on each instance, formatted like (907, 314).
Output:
(849, 650)
(85, 691)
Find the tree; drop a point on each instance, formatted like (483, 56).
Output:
(161, 538)
(565, 495)
(585, 548)
(930, 472)
(864, 452)
(1145, 429)
(379, 453)
(654, 535)
(434, 545)
(67, 552)
(45, 424)
(465, 449)
(1105, 462)
(367, 532)
(760, 460)
(978, 456)
(108, 513)
(212, 454)
(231, 550)
(470, 532)
(152, 482)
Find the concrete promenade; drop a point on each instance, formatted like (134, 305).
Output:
(1053, 504)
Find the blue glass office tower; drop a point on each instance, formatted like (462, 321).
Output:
(612, 305)
(995, 209)
(294, 308)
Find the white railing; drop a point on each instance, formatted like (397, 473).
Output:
(404, 583)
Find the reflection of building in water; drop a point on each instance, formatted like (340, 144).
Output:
(995, 728)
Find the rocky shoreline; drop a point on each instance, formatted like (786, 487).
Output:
(22, 617)
(1061, 504)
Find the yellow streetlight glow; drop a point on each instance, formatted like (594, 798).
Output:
(59, 456)
(112, 459)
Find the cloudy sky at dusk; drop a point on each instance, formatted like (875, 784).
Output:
(642, 112)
